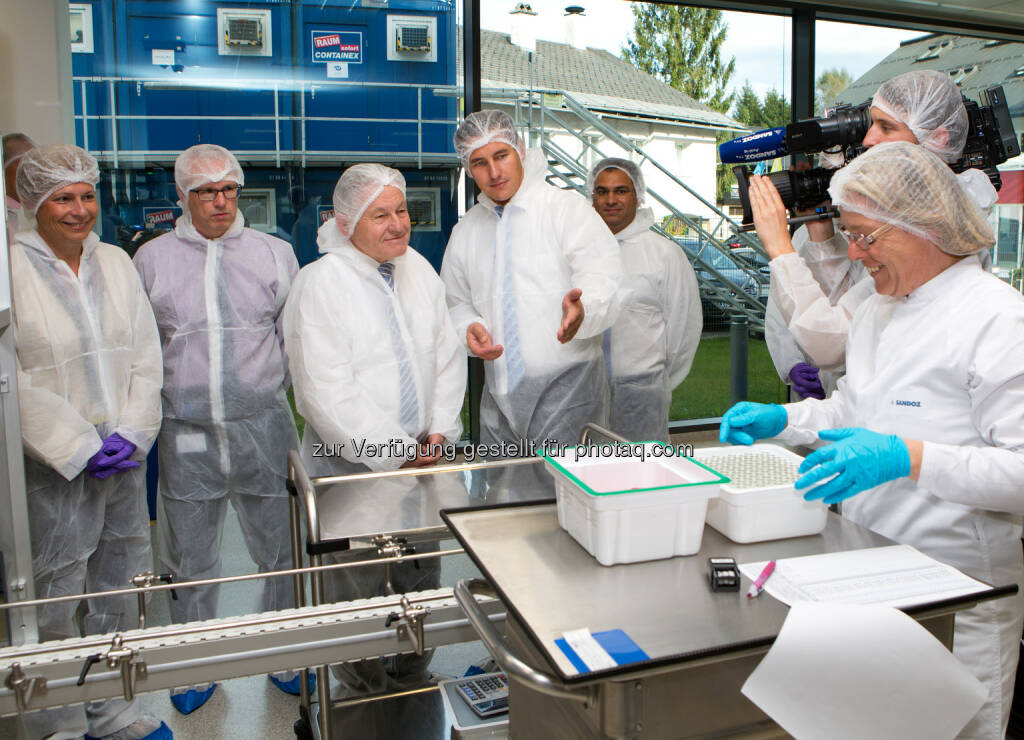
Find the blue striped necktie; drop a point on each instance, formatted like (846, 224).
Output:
(408, 408)
(513, 354)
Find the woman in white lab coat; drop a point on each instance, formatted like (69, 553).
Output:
(927, 427)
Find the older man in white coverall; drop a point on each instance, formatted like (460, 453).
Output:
(651, 347)
(815, 286)
(533, 278)
(379, 377)
(88, 358)
(218, 291)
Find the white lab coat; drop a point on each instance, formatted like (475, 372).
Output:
(650, 348)
(344, 367)
(558, 242)
(816, 299)
(831, 269)
(946, 365)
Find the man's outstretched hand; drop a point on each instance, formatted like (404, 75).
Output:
(572, 315)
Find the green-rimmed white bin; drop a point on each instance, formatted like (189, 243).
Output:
(629, 503)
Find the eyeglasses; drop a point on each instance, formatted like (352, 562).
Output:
(854, 238)
(207, 194)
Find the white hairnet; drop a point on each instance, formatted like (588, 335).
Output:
(616, 163)
(909, 187)
(357, 188)
(931, 106)
(16, 146)
(205, 163)
(485, 127)
(46, 169)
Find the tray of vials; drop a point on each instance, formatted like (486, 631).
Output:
(759, 502)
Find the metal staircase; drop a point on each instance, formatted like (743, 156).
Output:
(727, 278)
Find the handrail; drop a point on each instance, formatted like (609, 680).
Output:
(276, 88)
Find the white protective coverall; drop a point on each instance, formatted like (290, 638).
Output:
(946, 365)
(815, 300)
(650, 348)
(227, 424)
(546, 242)
(346, 369)
(88, 359)
(835, 274)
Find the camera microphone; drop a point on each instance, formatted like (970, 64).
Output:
(767, 144)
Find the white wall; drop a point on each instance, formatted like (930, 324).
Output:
(35, 70)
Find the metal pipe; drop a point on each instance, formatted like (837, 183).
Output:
(113, 121)
(738, 339)
(228, 579)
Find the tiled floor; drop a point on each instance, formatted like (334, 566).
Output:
(253, 708)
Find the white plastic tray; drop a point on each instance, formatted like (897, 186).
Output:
(648, 505)
(759, 502)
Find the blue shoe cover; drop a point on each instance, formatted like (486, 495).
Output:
(163, 732)
(293, 687)
(191, 700)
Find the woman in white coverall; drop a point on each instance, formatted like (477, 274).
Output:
(649, 350)
(89, 376)
(928, 424)
(816, 288)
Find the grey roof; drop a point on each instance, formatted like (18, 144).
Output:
(598, 79)
(995, 62)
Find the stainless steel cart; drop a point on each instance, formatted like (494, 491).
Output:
(702, 645)
(393, 518)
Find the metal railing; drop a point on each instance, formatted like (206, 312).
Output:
(114, 119)
(570, 171)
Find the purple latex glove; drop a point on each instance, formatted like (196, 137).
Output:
(114, 449)
(806, 381)
(104, 473)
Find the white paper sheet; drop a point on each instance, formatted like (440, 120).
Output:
(848, 672)
(899, 576)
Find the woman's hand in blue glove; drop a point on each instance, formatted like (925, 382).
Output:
(858, 458)
(746, 422)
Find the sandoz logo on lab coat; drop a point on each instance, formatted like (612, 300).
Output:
(900, 402)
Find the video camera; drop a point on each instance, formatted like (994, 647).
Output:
(991, 140)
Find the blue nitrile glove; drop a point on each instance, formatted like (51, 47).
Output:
(113, 450)
(747, 421)
(104, 473)
(806, 381)
(859, 458)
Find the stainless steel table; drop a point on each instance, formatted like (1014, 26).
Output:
(701, 644)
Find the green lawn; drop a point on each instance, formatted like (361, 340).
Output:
(705, 392)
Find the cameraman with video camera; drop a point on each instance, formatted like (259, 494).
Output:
(815, 288)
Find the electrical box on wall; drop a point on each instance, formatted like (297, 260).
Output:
(424, 208)
(242, 32)
(412, 38)
(258, 207)
(81, 28)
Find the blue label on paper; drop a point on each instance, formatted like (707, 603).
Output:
(616, 643)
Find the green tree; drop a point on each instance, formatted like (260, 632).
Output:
(775, 110)
(683, 47)
(830, 84)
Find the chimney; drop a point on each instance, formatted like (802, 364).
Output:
(524, 27)
(574, 26)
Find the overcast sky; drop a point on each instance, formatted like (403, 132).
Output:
(760, 43)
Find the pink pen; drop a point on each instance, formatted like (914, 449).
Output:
(758, 585)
